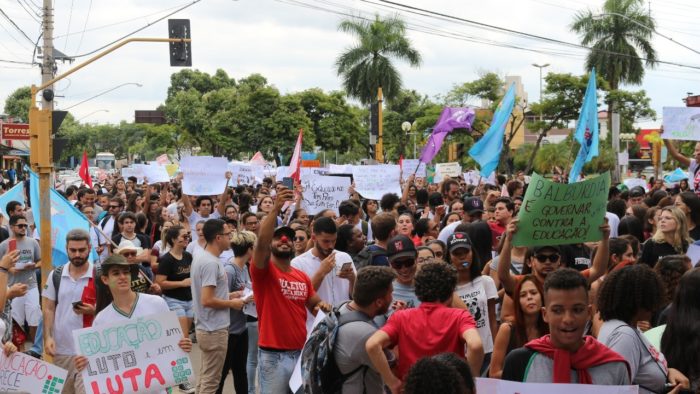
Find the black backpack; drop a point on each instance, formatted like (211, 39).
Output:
(365, 257)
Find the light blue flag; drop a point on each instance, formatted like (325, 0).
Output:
(14, 194)
(676, 176)
(64, 217)
(487, 151)
(586, 129)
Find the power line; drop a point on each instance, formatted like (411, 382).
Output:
(70, 19)
(15, 26)
(137, 30)
(82, 34)
(32, 15)
(14, 61)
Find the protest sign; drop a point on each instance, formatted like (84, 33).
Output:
(155, 173)
(374, 181)
(497, 386)
(135, 172)
(323, 192)
(446, 169)
(172, 169)
(306, 171)
(22, 373)
(681, 123)
(203, 176)
(340, 169)
(413, 166)
(136, 355)
(472, 177)
(557, 213)
(245, 173)
(633, 182)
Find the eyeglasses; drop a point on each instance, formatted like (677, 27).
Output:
(22, 225)
(542, 258)
(300, 239)
(228, 234)
(114, 207)
(422, 260)
(406, 263)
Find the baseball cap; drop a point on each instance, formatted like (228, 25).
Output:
(400, 246)
(637, 191)
(457, 241)
(540, 248)
(473, 205)
(284, 230)
(435, 199)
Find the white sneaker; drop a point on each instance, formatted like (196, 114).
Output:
(186, 388)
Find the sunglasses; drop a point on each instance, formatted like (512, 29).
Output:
(407, 263)
(542, 258)
(22, 225)
(114, 207)
(299, 239)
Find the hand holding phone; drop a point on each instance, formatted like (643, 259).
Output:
(288, 182)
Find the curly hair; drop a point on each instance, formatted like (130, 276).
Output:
(680, 342)
(629, 290)
(435, 282)
(429, 375)
(670, 269)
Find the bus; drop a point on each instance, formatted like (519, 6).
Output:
(105, 161)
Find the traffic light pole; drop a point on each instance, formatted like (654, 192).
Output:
(379, 149)
(40, 133)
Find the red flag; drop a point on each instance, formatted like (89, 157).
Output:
(83, 171)
(401, 162)
(295, 163)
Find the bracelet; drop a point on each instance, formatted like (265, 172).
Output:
(5, 270)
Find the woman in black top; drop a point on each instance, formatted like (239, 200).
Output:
(671, 237)
(174, 276)
(689, 203)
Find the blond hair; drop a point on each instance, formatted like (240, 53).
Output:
(680, 238)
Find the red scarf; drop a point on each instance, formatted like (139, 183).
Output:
(592, 353)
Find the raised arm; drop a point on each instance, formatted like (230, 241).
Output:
(675, 154)
(406, 187)
(223, 198)
(602, 254)
(504, 276)
(261, 252)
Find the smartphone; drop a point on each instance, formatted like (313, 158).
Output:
(288, 182)
(12, 245)
(77, 303)
(346, 266)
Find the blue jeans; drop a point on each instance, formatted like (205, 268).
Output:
(252, 364)
(38, 346)
(275, 370)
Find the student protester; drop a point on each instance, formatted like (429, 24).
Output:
(628, 296)
(416, 335)
(61, 315)
(439, 249)
(502, 215)
(680, 342)
(301, 240)
(689, 204)
(670, 269)
(212, 301)
(693, 162)
(204, 207)
(424, 255)
(671, 237)
(383, 228)
(350, 240)
(527, 325)
(566, 355)
(473, 210)
(438, 374)
(127, 222)
(477, 291)
(283, 294)
(126, 305)
(198, 245)
(371, 297)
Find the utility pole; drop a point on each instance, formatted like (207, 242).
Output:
(379, 152)
(47, 64)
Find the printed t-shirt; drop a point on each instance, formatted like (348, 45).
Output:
(695, 175)
(475, 295)
(176, 270)
(280, 299)
(417, 333)
(29, 252)
(497, 230)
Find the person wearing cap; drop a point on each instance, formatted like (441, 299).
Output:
(127, 222)
(283, 294)
(544, 260)
(126, 304)
(432, 328)
(473, 210)
(332, 272)
(635, 196)
(141, 282)
(477, 291)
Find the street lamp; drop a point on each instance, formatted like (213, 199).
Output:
(92, 113)
(540, 66)
(406, 127)
(105, 92)
(651, 29)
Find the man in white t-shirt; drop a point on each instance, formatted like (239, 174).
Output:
(204, 207)
(331, 271)
(75, 285)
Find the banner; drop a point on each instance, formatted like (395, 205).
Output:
(497, 386)
(22, 373)
(323, 192)
(374, 181)
(681, 123)
(15, 131)
(558, 213)
(155, 173)
(203, 176)
(452, 169)
(411, 166)
(341, 169)
(14, 194)
(136, 356)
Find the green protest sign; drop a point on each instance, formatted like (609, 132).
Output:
(558, 213)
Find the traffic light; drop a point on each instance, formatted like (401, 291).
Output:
(180, 52)
(374, 119)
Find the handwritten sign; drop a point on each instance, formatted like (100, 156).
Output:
(340, 169)
(634, 182)
(131, 171)
(22, 373)
(558, 213)
(497, 386)
(472, 177)
(324, 192)
(138, 355)
(203, 176)
(155, 173)
(246, 174)
(413, 166)
(442, 170)
(376, 180)
(681, 123)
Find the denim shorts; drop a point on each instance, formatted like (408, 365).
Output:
(181, 308)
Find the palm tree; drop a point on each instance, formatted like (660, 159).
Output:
(616, 35)
(367, 65)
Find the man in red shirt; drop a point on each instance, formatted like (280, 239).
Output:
(431, 328)
(504, 209)
(282, 296)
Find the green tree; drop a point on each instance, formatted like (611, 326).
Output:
(17, 103)
(367, 65)
(488, 87)
(620, 37)
(409, 106)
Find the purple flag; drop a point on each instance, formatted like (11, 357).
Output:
(450, 119)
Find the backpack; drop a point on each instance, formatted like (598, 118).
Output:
(319, 369)
(366, 256)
